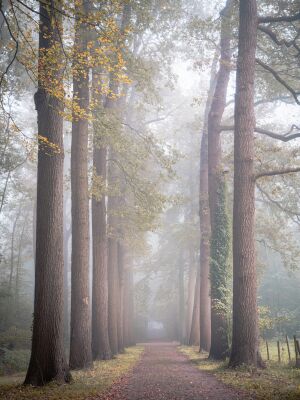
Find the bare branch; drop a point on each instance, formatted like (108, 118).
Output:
(16, 48)
(286, 137)
(277, 203)
(279, 79)
(283, 18)
(279, 42)
(277, 172)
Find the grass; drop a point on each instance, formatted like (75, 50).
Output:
(276, 382)
(85, 384)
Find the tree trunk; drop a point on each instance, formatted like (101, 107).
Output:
(100, 340)
(129, 339)
(113, 294)
(121, 256)
(219, 329)
(12, 251)
(18, 269)
(191, 295)
(67, 235)
(126, 306)
(80, 344)
(245, 330)
(47, 362)
(114, 316)
(181, 325)
(194, 337)
(205, 301)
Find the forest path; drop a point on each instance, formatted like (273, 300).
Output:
(163, 373)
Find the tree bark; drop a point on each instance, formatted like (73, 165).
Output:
(245, 329)
(191, 295)
(113, 289)
(100, 340)
(80, 340)
(219, 326)
(205, 301)
(121, 256)
(47, 362)
(194, 337)
(181, 325)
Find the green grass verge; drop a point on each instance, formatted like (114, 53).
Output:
(276, 382)
(86, 383)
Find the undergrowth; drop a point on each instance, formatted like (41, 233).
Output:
(85, 384)
(276, 382)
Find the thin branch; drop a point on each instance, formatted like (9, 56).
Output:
(279, 42)
(277, 172)
(286, 137)
(162, 118)
(279, 79)
(277, 203)
(283, 18)
(16, 48)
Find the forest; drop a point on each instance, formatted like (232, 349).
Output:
(149, 199)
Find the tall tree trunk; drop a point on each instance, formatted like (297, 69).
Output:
(194, 337)
(245, 331)
(12, 251)
(193, 270)
(191, 295)
(18, 269)
(128, 309)
(47, 362)
(67, 235)
(80, 344)
(205, 300)
(181, 324)
(219, 326)
(100, 340)
(121, 256)
(113, 289)
(126, 305)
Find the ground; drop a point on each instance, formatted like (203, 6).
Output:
(279, 381)
(164, 373)
(85, 384)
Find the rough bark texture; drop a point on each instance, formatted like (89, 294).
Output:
(113, 289)
(205, 301)
(47, 362)
(191, 294)
(194, 337)
(219, 327)
(100, 340)
(80, 344)
(129, 338)
(121, 256)
(181, 322)
(67, 236)
(245, 333)
(127, 310)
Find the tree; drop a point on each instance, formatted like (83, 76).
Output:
(47, 362)
(80, 341)
(100, 339)
(245, 332)
(219, 328)
(205, 228)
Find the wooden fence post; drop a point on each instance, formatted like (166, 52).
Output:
(268, 354)
(278, 350)
(288, 346)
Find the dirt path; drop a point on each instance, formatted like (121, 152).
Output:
(165, 374)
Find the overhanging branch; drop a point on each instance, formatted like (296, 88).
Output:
(282, 18)
(286, 137)
(279, 79)
(277, 172)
